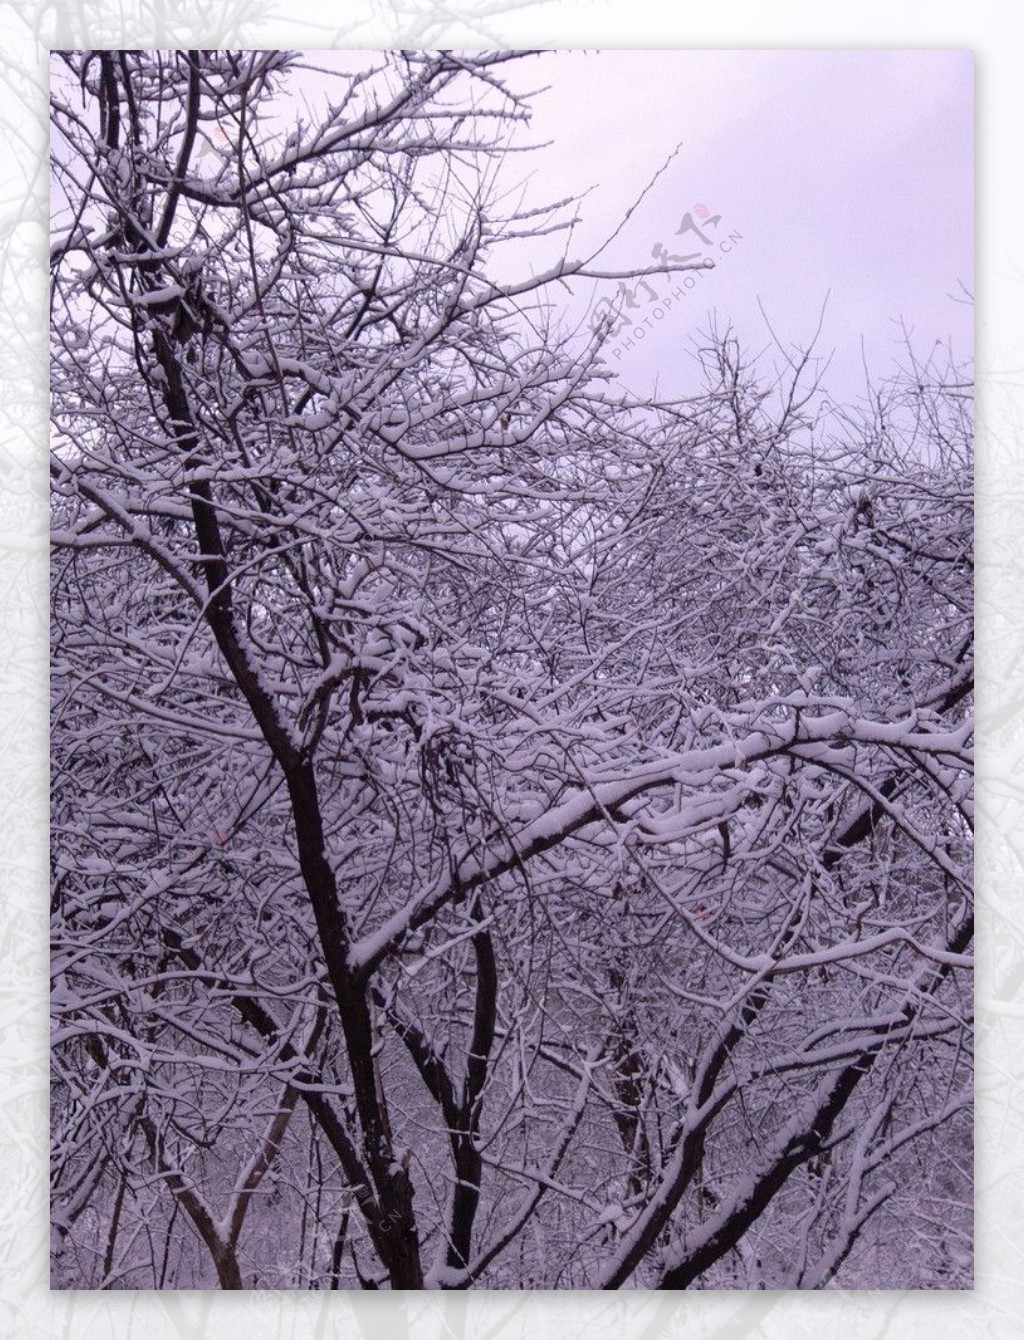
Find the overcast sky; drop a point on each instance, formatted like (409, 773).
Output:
(848, 175)
(844, 179)
(841, 179)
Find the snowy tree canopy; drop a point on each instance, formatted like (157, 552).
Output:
(505, 835)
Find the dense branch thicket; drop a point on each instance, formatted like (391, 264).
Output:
(503, 835)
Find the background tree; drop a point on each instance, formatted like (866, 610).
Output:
(504, 834)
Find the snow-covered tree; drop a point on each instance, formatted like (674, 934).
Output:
(504, 835)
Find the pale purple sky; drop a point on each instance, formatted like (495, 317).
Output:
(848, 173)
